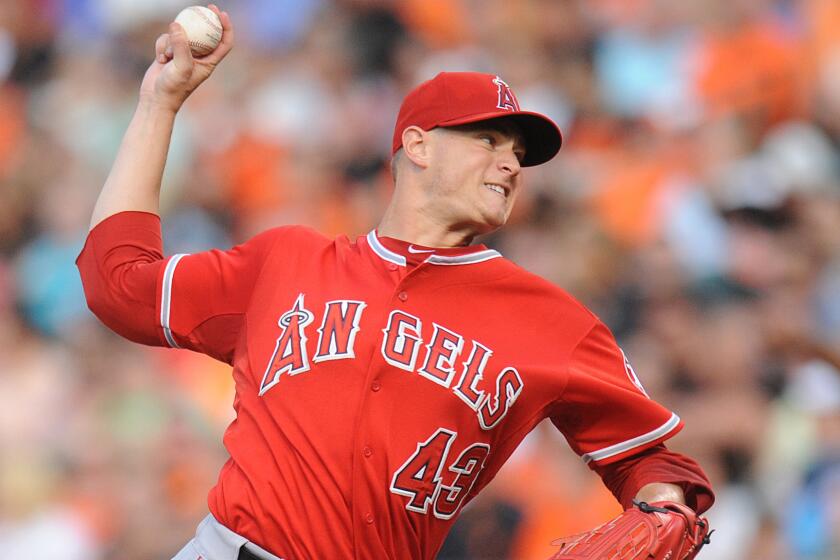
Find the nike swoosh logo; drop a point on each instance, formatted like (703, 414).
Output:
(411, 249)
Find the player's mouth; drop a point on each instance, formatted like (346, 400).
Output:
(497, 188)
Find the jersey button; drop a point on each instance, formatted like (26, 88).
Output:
(375, 386)
(392, 266)
(367, 451)
(403, 296)
(369, 518)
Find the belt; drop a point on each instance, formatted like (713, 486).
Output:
(245, 554)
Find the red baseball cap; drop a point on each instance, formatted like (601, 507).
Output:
(453, 98)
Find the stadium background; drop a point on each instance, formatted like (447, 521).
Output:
(695, 207)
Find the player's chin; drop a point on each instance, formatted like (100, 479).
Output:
(490, 217)
(492, 221)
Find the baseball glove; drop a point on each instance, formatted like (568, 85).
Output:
(658, 531)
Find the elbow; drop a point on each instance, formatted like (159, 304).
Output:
(104, 308)
(96, 291)
(119, 308)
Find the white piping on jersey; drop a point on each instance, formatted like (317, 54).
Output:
(633, 443)
(396, 258)
(166, 298)
(383, 252)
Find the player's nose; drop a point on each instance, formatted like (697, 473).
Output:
(508, 162)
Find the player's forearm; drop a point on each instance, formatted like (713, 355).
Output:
(134, 180)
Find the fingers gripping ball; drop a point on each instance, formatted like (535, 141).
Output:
(203, 29)
(659, 531)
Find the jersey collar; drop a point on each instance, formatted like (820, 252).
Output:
(401, 252)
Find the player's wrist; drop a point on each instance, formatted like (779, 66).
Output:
(661, 492)
(150, 104)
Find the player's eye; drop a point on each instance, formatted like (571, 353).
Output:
(488, 138)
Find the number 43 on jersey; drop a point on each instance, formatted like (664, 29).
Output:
(421, 477)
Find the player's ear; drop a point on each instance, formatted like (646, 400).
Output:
(417, 145)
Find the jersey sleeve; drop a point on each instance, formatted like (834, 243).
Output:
(193, 301)
(658, 464)
(604, 411)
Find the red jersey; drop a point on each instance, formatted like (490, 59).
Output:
(379, 385)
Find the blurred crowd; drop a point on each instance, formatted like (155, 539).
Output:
(695, 207)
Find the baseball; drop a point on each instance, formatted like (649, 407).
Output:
(203, 29)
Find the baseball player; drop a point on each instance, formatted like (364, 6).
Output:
(381, 382)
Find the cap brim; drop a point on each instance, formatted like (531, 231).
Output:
(542, 137)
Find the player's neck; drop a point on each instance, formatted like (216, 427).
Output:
(405, 222)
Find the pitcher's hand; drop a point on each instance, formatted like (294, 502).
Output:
(175, 73)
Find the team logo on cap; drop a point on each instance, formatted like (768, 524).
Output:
(507, 100)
